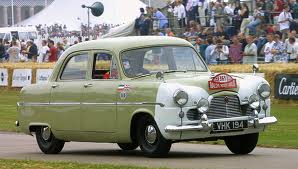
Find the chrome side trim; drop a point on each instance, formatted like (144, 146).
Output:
(103, 104)
(19, 104)
(140, 103)
(65, 104)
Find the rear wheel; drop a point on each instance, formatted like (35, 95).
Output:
(47, 142)
(242, 144)
(151, 142)
(128, 146)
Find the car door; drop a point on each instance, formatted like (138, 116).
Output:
(99, 96)
(66, 93)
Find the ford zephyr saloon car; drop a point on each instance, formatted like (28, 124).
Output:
(147, 92)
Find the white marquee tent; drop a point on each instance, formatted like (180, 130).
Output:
(70, 13)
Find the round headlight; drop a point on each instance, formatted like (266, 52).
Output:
(203, 105)
(180, 97)
(254, 101)
(264, 91)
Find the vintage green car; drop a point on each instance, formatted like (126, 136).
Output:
(143, 91)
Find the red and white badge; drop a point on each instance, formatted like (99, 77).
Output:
(222, 81)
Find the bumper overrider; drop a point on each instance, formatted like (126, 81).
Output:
(207, 125)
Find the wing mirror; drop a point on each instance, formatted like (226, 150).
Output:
(255, 68)
(160, 75)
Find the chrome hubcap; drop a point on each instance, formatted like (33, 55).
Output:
(150, 134)
(46, 133)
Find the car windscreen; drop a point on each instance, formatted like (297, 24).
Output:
(151, 60)
(23, 36)
(32, 35)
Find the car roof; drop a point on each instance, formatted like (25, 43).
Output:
(121, 43)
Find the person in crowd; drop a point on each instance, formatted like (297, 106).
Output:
(2, 51)
(221, 52)
(257, 20)
(66, 45)
(268, 7)
(194, 13)
(180, 13)
(279, 51)
(53, 56)
(268, 48)
(236, 51)
(292, 49)
(210, 58)
(250, 51)
(144, 25)
(44, 52)
(23, 56)
(228, 13)
(60, 49)
(201, 46)
(202, 7)
(32, 51)
(295, 9)
(278, 8)
(244, 14)
(169, 32)
(14, 52)
(237, 19)
(219, 19)
(161, 18)
(284, 20)
(293, 34)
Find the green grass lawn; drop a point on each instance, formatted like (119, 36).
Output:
(21, 164)
(283, 134)
(8, 111)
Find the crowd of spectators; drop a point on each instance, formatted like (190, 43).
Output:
(222, 32)
(20, 51)
(60, 31)
(229, 32)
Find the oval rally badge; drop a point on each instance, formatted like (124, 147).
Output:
(222, 81)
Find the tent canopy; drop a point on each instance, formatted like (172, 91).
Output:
(71, 13)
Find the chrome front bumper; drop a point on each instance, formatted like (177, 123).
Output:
(207, 125)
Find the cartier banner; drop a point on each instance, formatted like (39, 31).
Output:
(286, 86)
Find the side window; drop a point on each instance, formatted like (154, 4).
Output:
(76, 68)
(104, 67)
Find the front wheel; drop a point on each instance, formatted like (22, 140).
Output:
(128, 146)
(242, 144)
(151, 142)
(47, 142)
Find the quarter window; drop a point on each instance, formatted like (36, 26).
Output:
(104, 67)
(76, 68)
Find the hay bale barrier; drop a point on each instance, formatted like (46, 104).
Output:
(270, 71)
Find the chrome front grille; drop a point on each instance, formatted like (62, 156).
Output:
(225, 107)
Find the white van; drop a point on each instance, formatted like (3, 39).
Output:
(21, 33)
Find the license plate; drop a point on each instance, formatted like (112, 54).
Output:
(230, 125)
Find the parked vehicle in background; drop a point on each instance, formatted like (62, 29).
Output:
(20, 33)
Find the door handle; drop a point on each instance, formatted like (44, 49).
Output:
(54, 86)
(88, 85)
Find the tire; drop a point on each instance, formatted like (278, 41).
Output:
(242, 144)
(51, 145)
(158, 147)
(128, 146)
